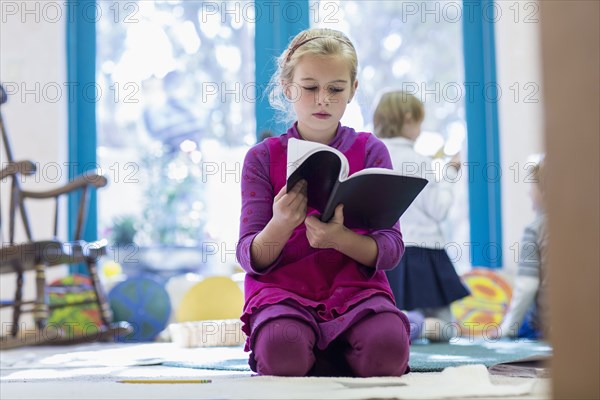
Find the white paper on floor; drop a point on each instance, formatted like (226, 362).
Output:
(456, 382)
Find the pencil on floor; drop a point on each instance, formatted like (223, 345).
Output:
(166, 381)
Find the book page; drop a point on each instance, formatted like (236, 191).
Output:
(300, 150)
(370, 171)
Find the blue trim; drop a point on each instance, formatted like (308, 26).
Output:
(485, 211)
(276, 24)
(81, 74)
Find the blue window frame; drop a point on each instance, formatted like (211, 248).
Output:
(485, 209)
(81, 72)
(272, 37)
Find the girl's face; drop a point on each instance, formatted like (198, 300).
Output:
(320, 92)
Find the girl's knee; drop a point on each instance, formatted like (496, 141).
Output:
(381, 350)
(385, 356)
(397, 354)
(284, 347)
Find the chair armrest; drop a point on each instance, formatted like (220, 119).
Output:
(17, 167)
(87, 179)
(25, 256)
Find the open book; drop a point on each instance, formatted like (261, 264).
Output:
(373, 198)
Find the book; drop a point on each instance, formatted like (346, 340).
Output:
(373, 198)
(535, 366)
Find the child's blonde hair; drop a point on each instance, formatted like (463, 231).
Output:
(391, 111)
(317, 42)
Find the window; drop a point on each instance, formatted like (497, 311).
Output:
(418, 50)
(177, 121)
(175, 125)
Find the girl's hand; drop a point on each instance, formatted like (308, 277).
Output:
(289, 209)
(323, 235)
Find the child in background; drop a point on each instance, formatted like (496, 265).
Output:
(425, 281)
(526, 314)
(317, 298)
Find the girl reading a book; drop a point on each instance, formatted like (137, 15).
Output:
(425, 282)
(317, 301)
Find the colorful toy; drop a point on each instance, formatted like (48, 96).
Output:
(144, 303)
(214, 298)
(177, 286)
(482, 312)
(112, 269)
(78, 319)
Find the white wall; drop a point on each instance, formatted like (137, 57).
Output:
(520, 115)
(32, 58)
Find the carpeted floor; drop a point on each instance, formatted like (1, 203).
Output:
(94, 370)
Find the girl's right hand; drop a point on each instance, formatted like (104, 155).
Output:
(289, 209)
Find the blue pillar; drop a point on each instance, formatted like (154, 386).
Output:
(482, 127)
(276, 23)
(82, 96)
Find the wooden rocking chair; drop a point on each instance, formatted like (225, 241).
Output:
(38, 256)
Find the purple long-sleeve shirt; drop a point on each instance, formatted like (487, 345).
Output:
(322, 279)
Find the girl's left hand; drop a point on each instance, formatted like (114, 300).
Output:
(323, 235)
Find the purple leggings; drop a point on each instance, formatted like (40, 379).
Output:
(376, 345)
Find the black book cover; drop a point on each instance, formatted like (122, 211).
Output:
(373, 198)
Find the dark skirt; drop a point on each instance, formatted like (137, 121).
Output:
(425, 278)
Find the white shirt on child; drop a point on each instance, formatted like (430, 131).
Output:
(421, 223)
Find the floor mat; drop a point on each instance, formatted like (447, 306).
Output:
(432, 357)
(437, 356)
(233, 364)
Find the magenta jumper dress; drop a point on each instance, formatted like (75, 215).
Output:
(322, 287)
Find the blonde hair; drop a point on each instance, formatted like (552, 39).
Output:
(318, 42)
(391, 110)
